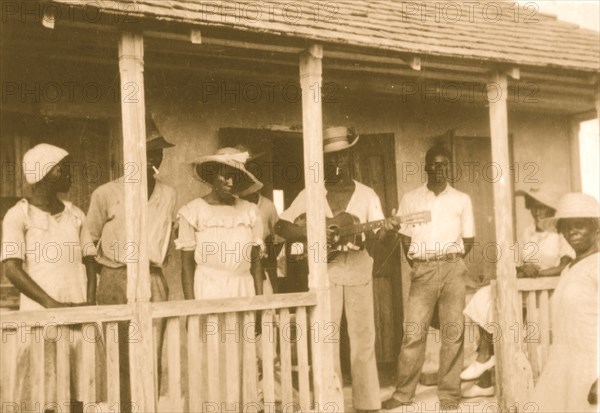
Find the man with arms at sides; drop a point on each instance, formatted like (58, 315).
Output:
(435, 251)
(106, 224)
(350, 272)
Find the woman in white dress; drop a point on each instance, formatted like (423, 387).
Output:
(569, 380)
(220, 236)
(49, 257)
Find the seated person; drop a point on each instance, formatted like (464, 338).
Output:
(544, 254)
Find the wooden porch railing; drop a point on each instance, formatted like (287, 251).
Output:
(533, 327)
(535, 294)
(286, 338)
(35, 329)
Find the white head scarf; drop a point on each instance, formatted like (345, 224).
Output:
(40, 159)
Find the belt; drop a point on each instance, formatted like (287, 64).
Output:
(446, 257)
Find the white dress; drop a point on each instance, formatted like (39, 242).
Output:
(222, 238)
(51, 248)
(572, 363)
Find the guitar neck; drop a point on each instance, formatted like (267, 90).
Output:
(359, 228)
(373, 225)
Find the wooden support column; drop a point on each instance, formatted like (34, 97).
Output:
(328, 392)
(598, 100)
(575, 158)
(511, 365)
(133, 111)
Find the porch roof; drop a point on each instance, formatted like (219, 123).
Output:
(486, 31)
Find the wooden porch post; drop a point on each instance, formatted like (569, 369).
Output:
(514, 384)
(598, 100)
(133, 111)
(328, 394)
(575, 158)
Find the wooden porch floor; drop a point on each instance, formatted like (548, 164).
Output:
(426, 400)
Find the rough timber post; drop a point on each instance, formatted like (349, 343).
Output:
(511, 363)
(328, 394)
(133, 112)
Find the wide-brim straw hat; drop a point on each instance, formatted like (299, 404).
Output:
(541, 195)
(573, 205)
(209, 166)
(338, 138)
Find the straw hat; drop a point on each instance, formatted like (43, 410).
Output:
(154, 139)
(541, 195)
(40, 159)
(573, 205)
(208, 166)
(338, 138)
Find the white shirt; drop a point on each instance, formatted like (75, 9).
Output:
(106, 223)
(451, 221)
(544, 248)
(51, 247)
(347, 268)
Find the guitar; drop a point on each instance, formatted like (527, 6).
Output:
(348, 232)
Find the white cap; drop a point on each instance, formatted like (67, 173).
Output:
(40, 159)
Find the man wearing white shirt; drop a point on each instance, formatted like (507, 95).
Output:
(435, 252)
(351, 271)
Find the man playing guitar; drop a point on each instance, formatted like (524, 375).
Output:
(350, 271)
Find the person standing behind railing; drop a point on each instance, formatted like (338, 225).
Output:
(106, 222)
(569, 381)
(49, 256)
(220, 236)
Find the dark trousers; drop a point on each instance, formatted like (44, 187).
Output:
(441, 283)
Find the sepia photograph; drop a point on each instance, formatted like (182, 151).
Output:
(285, 206)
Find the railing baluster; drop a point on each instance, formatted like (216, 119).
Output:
(521, 326)
(268, 369)
(544, 327)
(38, 365)
(213, 356)
(63, 373)
(9, 347)
(303, 367)
(532, 336)
(113, 377)
(174, 360)
(232, 328)
(194, 363)
(250, 365)
(287, 392)
(88, 368)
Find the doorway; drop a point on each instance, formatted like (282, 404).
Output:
(280, 167)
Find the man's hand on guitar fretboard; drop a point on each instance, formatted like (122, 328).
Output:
(391, 224)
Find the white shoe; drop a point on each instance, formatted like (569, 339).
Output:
(476, 369)
(476, 391)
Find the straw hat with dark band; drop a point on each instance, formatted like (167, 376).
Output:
(573, 205)
(207, 168)
(338, 138)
